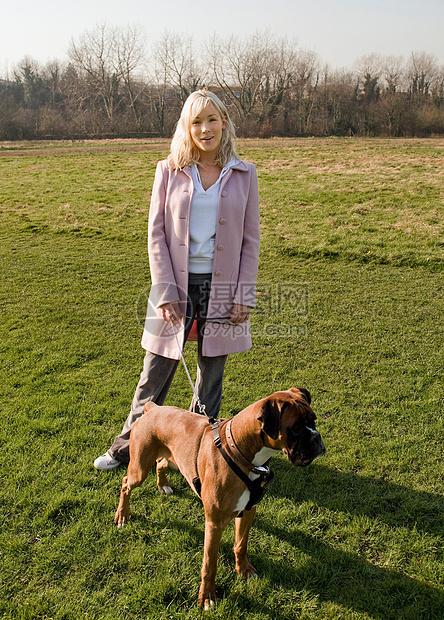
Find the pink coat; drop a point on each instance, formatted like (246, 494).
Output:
(235, 262)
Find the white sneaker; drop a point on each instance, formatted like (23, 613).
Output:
(106, 461)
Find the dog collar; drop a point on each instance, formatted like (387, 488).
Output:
(260, 470)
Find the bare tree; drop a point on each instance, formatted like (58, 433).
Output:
(393, 72)
(161, 53)
(369, 70)
(238, 68)
(176, 61)
(437, 86)
(253, 73)
(304, 81)
(109, 58)
(94, 55)
(340, 100)
(52, 73)
(279, 70)
(422, 71)
(271, 86)
(128, 59)
(79, 116)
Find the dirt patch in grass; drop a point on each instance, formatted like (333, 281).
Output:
(65, 147)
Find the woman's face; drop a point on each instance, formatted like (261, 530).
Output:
(206, 130)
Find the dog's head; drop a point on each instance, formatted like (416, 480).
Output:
(288, 424)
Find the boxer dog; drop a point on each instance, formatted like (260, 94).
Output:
(283, 422)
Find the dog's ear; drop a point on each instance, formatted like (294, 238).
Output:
(305, 393)
(270, 417)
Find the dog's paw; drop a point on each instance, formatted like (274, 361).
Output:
(166, 490)
(120, 521)
(209, 605)
(247, 572)
(207, 599)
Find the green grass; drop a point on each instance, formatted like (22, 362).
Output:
(350, 306)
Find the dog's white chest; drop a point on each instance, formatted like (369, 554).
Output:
(259, 459)
(245, 497)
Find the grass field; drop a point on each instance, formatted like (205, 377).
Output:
(350, 306)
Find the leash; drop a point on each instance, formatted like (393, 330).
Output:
(256, 487)
(200, 405)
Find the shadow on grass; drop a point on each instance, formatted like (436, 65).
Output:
(331, 575)
(390, 503)
(348, 580)
(327, 572)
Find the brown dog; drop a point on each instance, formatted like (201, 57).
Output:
(283, 422)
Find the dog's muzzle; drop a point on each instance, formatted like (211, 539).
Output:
(307, 449)
(317, 444)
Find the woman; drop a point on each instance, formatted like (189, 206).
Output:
(203, 245)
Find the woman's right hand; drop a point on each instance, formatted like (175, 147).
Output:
(171, 312)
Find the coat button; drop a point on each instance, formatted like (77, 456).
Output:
(220, 247)
(224, 194)
(222, 221)
(218, 273)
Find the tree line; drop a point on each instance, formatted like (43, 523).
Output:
(111, 86)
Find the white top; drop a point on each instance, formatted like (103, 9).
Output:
(203, 220)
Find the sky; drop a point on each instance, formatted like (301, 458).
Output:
(339, 31)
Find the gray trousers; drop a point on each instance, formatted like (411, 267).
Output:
(158, 372)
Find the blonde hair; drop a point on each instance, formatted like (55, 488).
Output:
(183, 150)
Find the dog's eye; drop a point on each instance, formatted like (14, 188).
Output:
(293, 433)
(311, 423)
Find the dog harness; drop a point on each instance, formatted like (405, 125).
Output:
(257, 486)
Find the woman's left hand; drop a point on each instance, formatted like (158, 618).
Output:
(239, 313)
